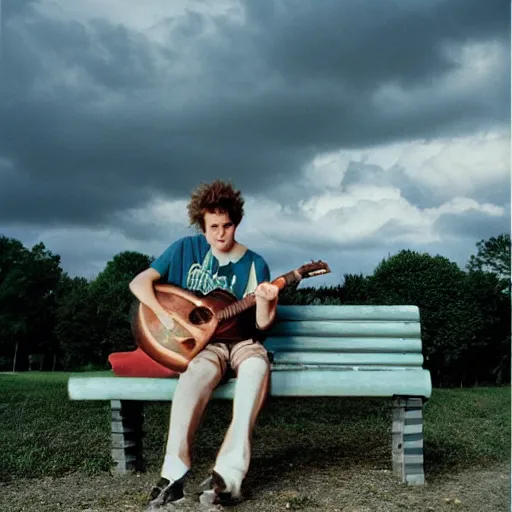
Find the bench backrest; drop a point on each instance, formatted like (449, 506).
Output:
(350, 337)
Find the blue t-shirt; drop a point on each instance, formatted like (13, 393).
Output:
(190, 264)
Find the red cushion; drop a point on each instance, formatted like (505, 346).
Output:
(138, 364)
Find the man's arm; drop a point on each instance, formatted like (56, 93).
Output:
(142, 286)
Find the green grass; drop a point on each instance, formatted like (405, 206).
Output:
(43, 433)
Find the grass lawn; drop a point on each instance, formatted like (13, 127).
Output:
(43, 433)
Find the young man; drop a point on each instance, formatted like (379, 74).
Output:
(213, 259)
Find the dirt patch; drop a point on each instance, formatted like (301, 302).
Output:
(333, 489)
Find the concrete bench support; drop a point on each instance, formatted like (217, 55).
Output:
(407, 440)
(127, 433)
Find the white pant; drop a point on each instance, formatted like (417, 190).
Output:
(249, 361)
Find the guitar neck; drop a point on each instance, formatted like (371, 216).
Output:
(237, 307)
(249, 300)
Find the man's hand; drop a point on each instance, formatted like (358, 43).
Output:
(166, 320)
(266, 304)
(267, 291)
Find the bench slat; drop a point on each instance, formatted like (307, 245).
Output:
(349, 312)
(335, 383)
(327, 344)
(349, 329)
(289, 383)
(342, 358)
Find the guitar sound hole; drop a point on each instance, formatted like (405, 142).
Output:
(200, 316)
(189, 344)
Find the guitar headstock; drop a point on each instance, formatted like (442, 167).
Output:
(315, 268)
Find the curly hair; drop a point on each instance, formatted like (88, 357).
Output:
(218, 196)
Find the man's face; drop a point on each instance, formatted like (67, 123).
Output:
(219, 231)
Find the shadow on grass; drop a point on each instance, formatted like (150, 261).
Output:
(444, 456)
(295, 462)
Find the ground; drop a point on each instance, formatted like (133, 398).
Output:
(334, 488)
(330, 453)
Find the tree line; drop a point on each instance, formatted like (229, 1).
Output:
(52, 321)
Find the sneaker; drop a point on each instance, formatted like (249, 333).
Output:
(166, 491)
(214, 491)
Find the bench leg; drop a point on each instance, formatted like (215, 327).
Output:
(127, 423)
(407, 440)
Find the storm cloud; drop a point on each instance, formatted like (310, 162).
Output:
(101, 119)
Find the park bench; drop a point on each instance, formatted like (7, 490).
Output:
(316, 351)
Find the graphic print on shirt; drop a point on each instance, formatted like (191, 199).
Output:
(202, 279)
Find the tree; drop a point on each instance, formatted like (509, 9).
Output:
(355, 289)
(485, 353)
(113, 301)
(493, 256)
(12, 253)
(12, 326)
(93, 318)
(28, 280)
(75, 328)
(464, 319)
(435, 285)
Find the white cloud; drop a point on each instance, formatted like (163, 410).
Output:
(346, 215)
(477, 61)
(318, 206)
(161, 213)
(327, 170)
(458, 166)
(465, 204)
(446, 167)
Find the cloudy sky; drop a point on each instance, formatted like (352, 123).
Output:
(355, 128)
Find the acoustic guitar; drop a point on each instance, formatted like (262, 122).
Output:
(199, 318)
